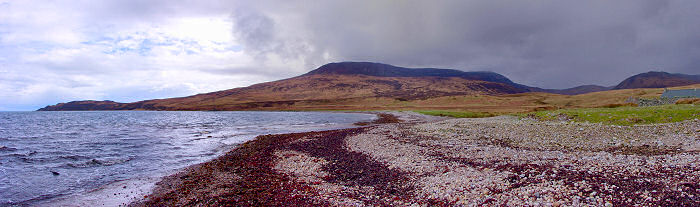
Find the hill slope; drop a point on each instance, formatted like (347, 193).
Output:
(385, 70)
(334, 85)
(656, 79)
(578, 90)
(322, 86)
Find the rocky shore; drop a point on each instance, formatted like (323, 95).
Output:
(457, 162)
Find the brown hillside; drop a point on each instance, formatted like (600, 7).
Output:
(658, 80)
(507, 103)
(366, 85)
(316, 88)
(575, 90)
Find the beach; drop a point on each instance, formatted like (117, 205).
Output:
(423, 161)
(111, 158)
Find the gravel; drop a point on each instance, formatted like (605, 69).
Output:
(511, 161)
(428, 161)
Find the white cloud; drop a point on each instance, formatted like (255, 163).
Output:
(65, 50)
(128, 50)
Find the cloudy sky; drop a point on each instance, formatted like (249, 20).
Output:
(127, 50)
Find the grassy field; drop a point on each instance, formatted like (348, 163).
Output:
(623, 115)
(455, 114)
(310, 98)
(497, 104)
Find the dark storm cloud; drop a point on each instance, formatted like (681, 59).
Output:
(256, 31)
(262, 36)
(552, 44)
(63, 50)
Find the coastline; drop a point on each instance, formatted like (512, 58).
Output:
(119, 193)
(254, 159)
(487, 161)
(124, 192)
(218, 180)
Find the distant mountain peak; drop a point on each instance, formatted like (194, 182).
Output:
(658, 79)
(386, 70)
(654, 73)
(360, 81)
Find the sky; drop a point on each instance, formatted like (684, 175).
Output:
(55, 51)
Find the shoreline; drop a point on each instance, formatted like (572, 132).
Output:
(254, 159)
(487, 161)
(132, 190)
(213, 181)
(118, 193)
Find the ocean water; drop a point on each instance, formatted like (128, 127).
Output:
(45, 155)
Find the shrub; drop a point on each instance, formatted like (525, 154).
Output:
(615, 105)
(688, 101)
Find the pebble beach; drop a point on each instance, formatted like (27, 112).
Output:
(428, 161)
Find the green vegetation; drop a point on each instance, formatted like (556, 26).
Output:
(456, 114)
(623, 115)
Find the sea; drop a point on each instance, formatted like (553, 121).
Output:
(54, 156)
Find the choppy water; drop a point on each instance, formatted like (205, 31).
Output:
(91, 149)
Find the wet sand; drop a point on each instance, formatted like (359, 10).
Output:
(490, 161)
(120, 193)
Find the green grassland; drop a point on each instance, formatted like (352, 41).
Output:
(455, 114)
(623, 115)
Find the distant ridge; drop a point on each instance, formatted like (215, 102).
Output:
(657, 79)
(385, 70)
(578, 90)
(327, 84)
(336, 84)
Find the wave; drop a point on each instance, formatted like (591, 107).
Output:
(30, 158)
(22, 155)
(73, 157)
(96, 147)
(7, 149)
(98, 162)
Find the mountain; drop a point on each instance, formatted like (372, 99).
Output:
(89, 105)
(330, 83)
(335, 85)
(575, 90)
(655, 79)
(385, 70)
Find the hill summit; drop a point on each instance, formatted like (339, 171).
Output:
(355, 85)
(657, 79)
(385, 70)
(331, 84)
